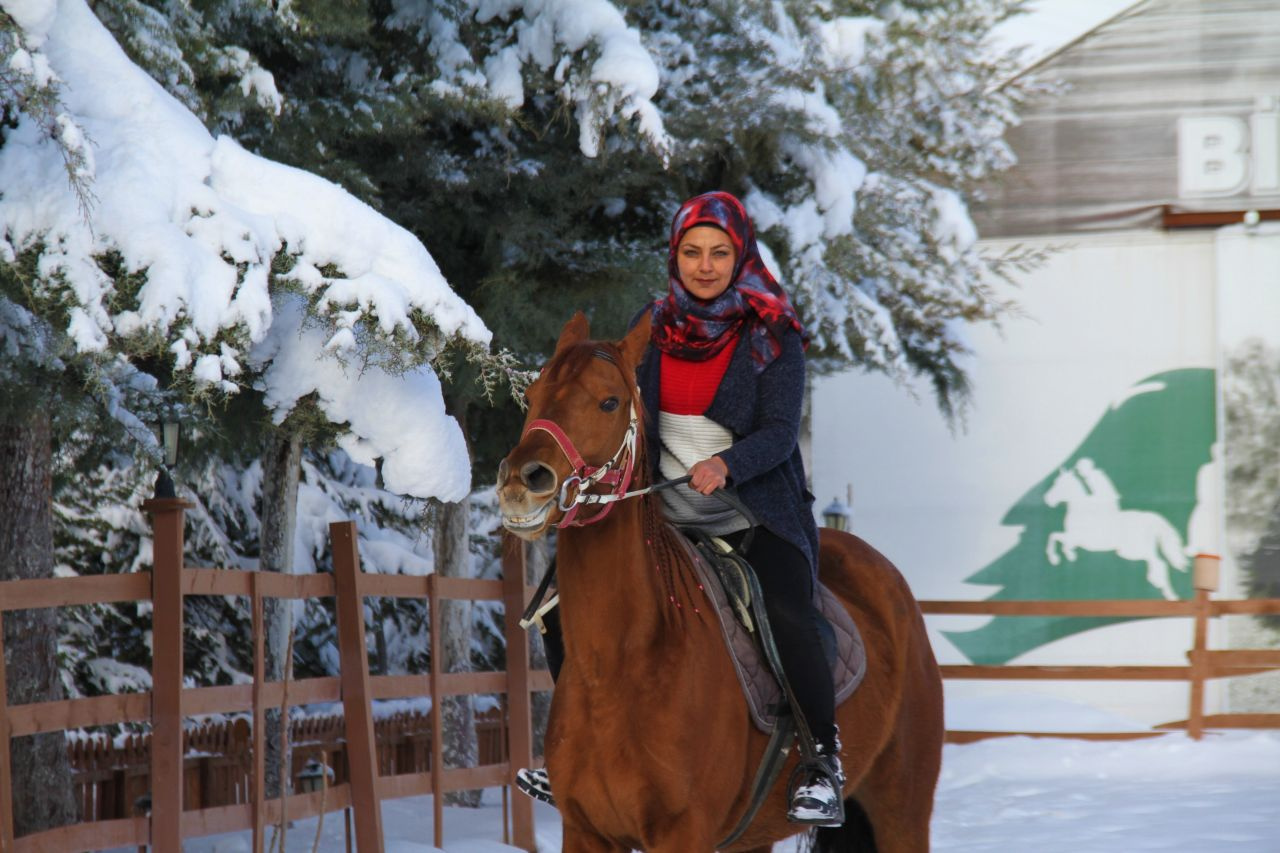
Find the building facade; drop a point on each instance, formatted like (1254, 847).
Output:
(1127, 416)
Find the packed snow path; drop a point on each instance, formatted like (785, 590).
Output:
(1014, 795)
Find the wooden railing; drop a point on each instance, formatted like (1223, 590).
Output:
(363, 785)
(111, 774)
(168, 704)
(1202, 665)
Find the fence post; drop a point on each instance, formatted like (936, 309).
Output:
(259, 717)
(1204, 577)
(356, 697)
(519, 704)
(6, 771)
(437, 718)
(167, 517)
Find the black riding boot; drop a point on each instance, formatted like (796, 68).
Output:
(816, 791)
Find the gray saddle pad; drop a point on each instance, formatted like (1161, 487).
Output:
(761, 690)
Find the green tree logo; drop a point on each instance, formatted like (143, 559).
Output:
(1110, 522)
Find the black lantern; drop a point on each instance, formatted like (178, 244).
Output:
(837, 515)
(169, 441)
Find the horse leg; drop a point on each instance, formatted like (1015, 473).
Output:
(896, 794)
(685, 839)
(898, 818)
(1158, 576)
(579, 841)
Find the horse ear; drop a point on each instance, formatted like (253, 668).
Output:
(574, 331)
(633, 345)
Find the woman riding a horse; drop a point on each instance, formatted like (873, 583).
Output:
(714, 371)
(726, 371)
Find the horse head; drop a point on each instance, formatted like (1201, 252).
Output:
(1067, 487)
(580, 431)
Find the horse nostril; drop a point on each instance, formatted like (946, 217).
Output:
(504, 471)
(538, 477)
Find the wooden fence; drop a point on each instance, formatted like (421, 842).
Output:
(168, 705)
(1203, 663)
(364, 773)
(110, 775)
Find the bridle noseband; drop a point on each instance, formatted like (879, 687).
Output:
(616, 473)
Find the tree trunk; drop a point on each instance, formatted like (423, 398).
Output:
(453, 559)
(281, 468)
(538, 559)
(42, 798)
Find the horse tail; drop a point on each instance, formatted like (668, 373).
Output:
(855, 835)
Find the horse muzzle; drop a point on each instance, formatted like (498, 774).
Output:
(526, 501)
(529, 526)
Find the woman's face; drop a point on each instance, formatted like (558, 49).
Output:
(705, 259)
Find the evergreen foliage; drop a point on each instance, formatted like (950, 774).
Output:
(1251, 401)
(856, 132)
(538, 150)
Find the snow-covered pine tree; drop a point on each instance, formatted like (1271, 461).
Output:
(176, 267)
(542, 147)
(550, 142)
(856, 132)
(1251, 392)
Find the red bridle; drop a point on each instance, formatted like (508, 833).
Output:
(616, 473)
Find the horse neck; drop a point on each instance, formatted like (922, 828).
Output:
(619, 590)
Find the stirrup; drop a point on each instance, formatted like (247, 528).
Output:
(536, 784)
(815, 795)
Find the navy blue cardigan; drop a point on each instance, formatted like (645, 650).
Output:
(762, 410)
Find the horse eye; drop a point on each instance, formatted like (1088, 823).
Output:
(609, 405)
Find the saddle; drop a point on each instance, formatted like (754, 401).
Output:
(723, 579)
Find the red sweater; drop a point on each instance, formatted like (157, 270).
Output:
(688, 387)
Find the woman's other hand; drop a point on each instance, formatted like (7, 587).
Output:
(708, 475)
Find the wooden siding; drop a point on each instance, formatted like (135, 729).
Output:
(1102, 155)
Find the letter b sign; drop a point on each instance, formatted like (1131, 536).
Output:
(1214, 157)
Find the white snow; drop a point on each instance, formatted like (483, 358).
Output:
(844, 40)
(35, 17)
(400, 418)
(1009, 795)
(205, 219)
(621, 81)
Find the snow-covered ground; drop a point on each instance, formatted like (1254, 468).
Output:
(1011, 795)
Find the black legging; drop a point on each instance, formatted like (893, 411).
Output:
(787, 584)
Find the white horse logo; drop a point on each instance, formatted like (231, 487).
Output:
(1095, 522)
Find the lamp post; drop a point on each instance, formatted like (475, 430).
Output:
(837, 515)
(169, 441)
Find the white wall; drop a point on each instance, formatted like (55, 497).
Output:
(1103, 313)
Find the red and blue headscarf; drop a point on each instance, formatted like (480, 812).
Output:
(754, 303)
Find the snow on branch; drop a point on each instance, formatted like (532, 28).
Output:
(28, 82)
(192, 241)
(600, 64)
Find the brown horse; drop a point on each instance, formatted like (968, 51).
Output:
(650, 745)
